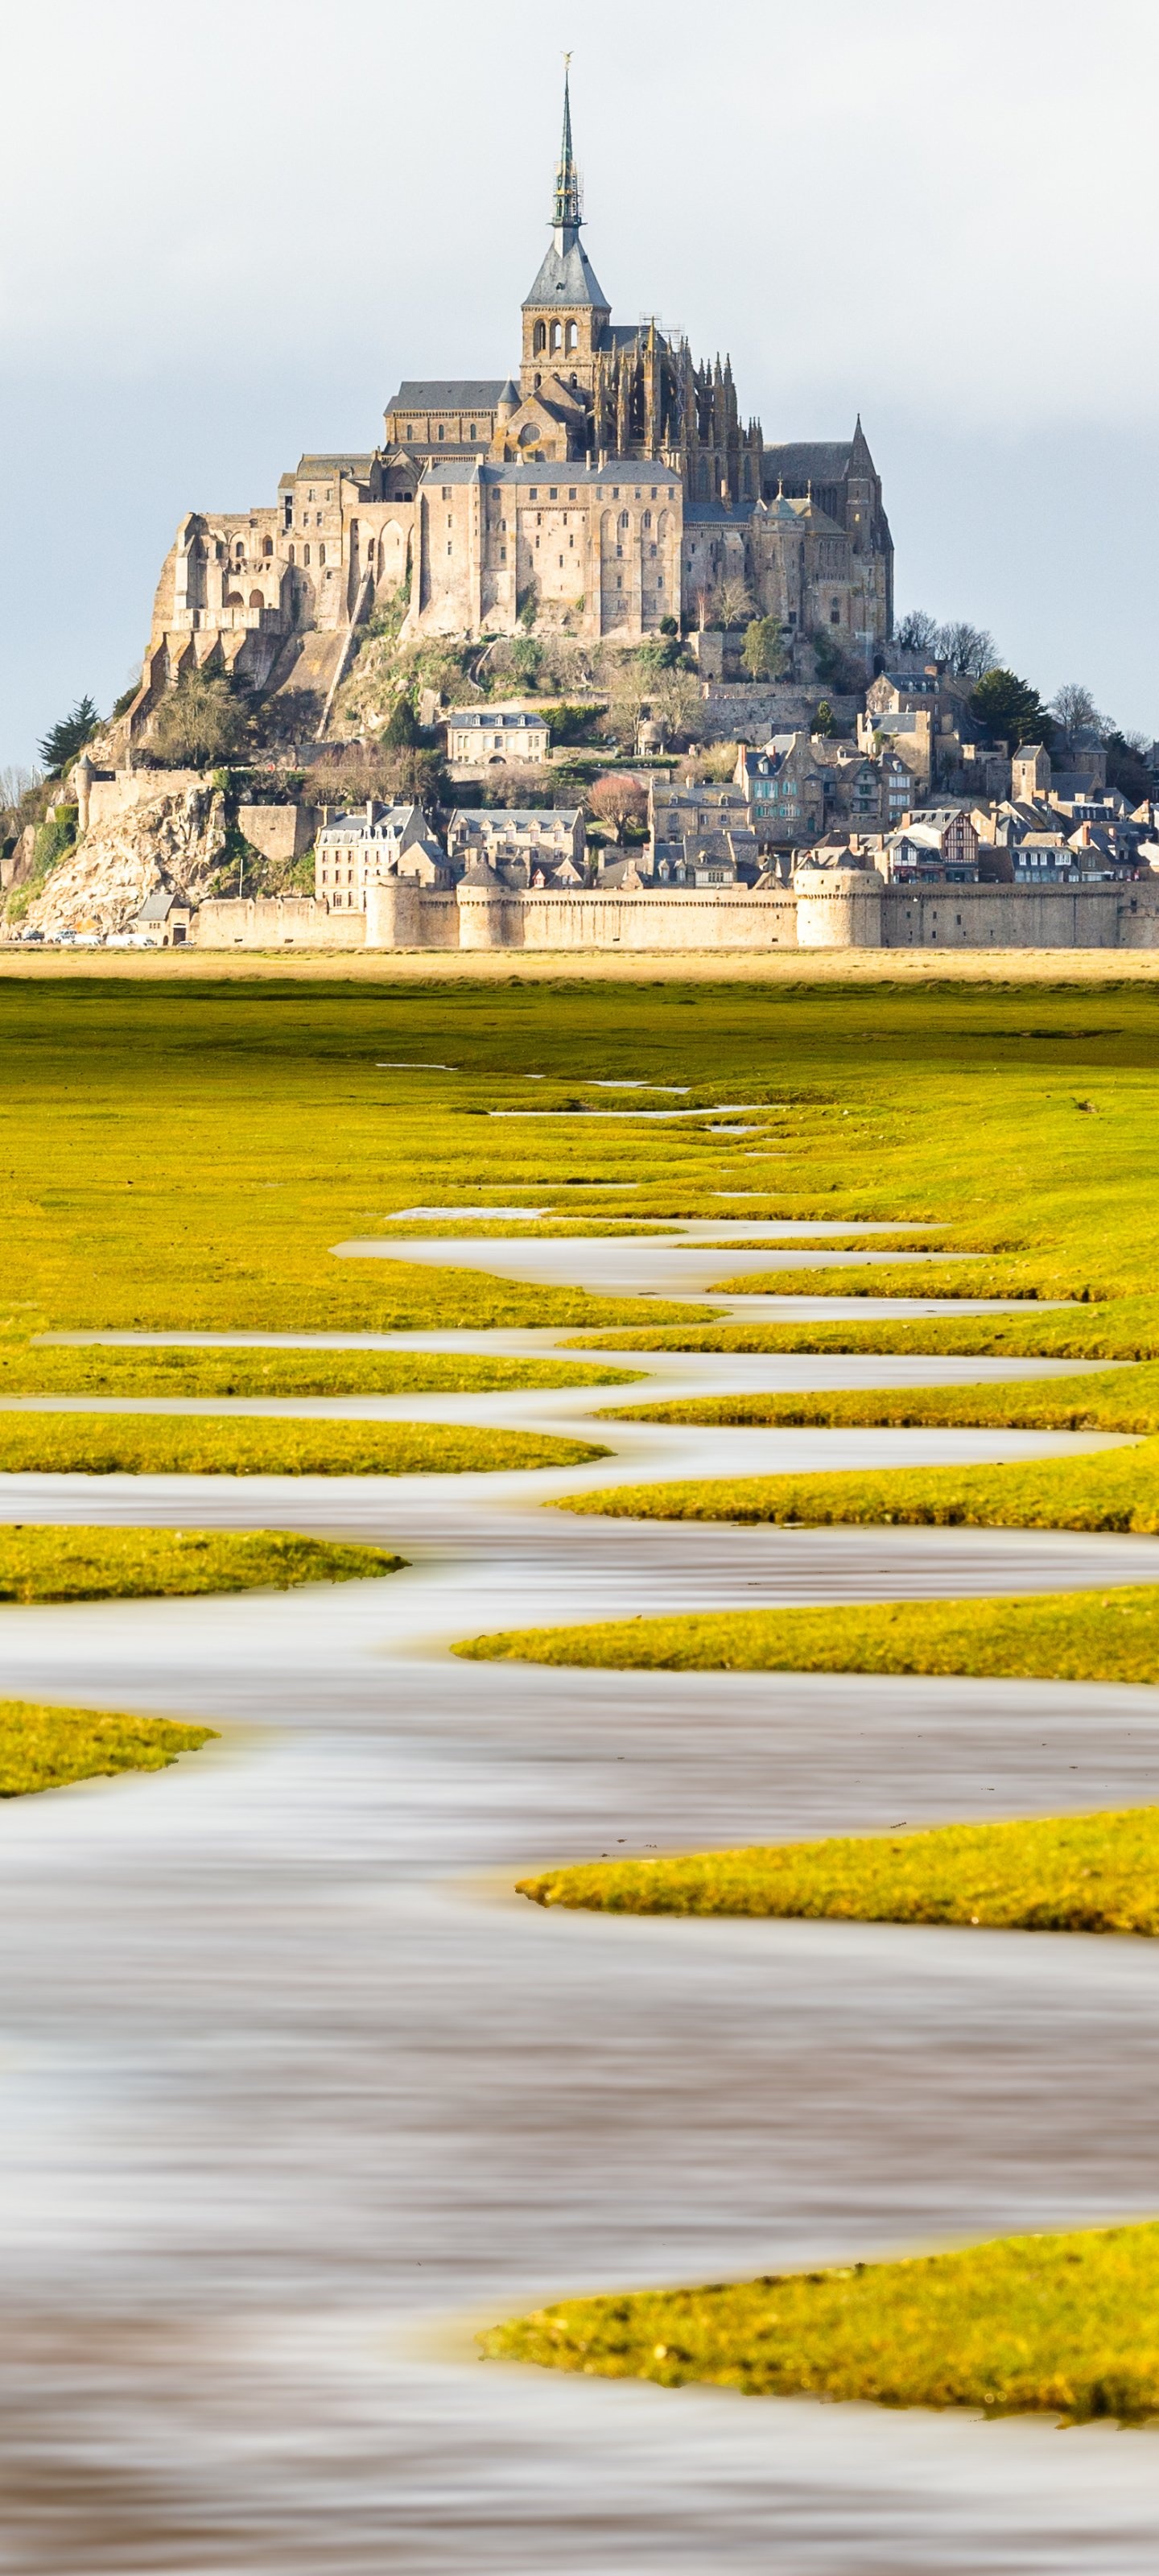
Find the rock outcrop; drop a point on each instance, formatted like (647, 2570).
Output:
(174, 839)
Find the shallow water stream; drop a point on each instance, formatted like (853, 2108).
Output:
(297, 2092)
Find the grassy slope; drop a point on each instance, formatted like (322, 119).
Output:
(1097, 1873)
(185, 1155)
(1063, 1636)
(45, 1748)
(75, 1564)
(1060, 2324)
(1112, 1400)
(216, 1444)
(1110, 1490)
(48, 1369)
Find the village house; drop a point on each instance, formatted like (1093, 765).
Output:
(489, 737)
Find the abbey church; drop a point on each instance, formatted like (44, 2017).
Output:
(610, 487)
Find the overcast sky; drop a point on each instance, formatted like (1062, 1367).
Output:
(225, 233)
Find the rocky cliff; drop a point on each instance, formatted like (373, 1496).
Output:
(174, 839)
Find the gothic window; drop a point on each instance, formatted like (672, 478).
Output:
(702, 479)
(623, 518)
(835, 614)
(647, 522)
(540, 340)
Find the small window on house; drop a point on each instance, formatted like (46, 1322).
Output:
(572, 494)
(440, 432)
(472, 429)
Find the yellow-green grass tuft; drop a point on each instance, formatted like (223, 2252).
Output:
(1106, 1400)
(1116, 1489)
(1096, 1873)
(46, 1748)
(1125, 1328)
(1059, 2324)
(214, 1444)
(977, 1278)
(1045, 1636)
(92, 1369)
(42, 1563)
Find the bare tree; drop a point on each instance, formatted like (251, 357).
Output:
(968, 651)
(618, 799)
(918, 632)
(732, 600)
(677, 702)
(1074, 710)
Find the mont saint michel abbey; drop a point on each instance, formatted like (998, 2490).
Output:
(609, 486)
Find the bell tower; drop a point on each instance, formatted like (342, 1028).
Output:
(566, 315)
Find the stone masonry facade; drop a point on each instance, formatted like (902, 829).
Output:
(608, 486)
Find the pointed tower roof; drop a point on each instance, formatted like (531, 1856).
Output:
(566, 275)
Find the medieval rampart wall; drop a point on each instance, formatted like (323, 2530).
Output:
(857, 911)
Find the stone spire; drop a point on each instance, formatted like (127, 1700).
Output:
(568, 214)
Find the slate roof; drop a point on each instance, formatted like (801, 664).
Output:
(567, 276)
(447, 393)
(821, 460)
(335, 464)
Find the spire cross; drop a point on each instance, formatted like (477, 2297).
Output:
(567, 214)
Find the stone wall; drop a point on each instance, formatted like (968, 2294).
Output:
(276, 921)
(831, 908)
(278, 831)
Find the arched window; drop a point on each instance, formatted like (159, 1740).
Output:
(623, 518)
(557, 335)
(239, 548)
(233, 599)
(305, 554)
(540, 339)
(572, 336)
(647, 518)
(835, 613)
(267, 545)
(293, 556)
(321, 554)
(256, 599)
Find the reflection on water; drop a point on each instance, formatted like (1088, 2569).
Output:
(296, 2091)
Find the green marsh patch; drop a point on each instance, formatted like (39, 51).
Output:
(1109, 1400)
(1097, 1873)
(1110, 1489)
(90, 1369)
(1062, 2325)
(66, 1563)
(46, 1748)
(215, 1444)
(1108, 1636)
